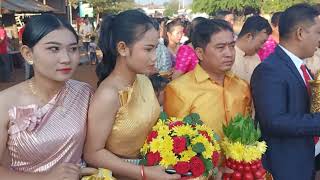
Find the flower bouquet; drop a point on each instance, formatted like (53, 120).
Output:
(242, 149)
(183, 146)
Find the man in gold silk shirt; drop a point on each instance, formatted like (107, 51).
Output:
(210, 90)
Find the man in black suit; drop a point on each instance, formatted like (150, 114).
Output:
(281, 95)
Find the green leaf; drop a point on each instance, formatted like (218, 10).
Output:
(195, 116)
(187, 120)
(193, 119)
(143, 161)
(198, 148)
(208, 164)
(199, 122)
(242, 129)
(188, 141)
(164, 116)
(258, 132)
(225, 130)
(216, 136)
(206, 173)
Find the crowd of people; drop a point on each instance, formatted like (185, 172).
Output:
(53, 127)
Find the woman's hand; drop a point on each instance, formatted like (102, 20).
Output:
(88, 171)
(158, 172)
(221, 171)
(64, 171)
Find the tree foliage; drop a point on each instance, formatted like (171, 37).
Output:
(270, 6)
(171, 7)
(111, 6)
(211, 6)
(266, 6)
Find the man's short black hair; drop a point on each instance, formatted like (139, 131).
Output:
(255, 24)
(295, 16)
(204, 30)
(222, 14)
(158, 82)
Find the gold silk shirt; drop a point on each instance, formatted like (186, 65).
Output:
(195, 92)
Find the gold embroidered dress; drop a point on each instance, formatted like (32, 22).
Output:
(139, 111)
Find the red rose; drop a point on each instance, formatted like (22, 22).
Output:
(152, 135)
(182, 167)
(174, 124)
(197, 166)
(153, 158)
(205, 134)
(179, 144)
(215, 158)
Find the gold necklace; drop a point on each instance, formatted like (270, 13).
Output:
(35, 92)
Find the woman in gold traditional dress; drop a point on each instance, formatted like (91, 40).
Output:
(125, 107)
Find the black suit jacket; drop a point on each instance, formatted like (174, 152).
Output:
(282, 109)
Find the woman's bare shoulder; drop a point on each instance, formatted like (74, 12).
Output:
(107, 92)
(13, 95)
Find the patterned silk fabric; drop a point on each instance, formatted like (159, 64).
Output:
(267, 48)
(195, 92)
(186, 59)
(164, 61)
(135, 118)
(42, 137)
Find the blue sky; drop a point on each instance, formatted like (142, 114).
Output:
(159, 1)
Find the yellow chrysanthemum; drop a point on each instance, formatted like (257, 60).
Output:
(168, 159)
(184, 130)
(206, 129)
(209, 150)
(187, 155)
(166, 145)
(251, 154)
(262, 146)
(200, 139)
(144, 149)
(172, 119)
(159, 124)
(240, 152)
(216, 146)
(236, 151)
(155, 144)
(163, 131)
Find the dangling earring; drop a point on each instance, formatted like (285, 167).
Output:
(30, 62)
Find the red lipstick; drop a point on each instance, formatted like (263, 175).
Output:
(65, 70)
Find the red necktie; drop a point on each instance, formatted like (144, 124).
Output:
(307, 79)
